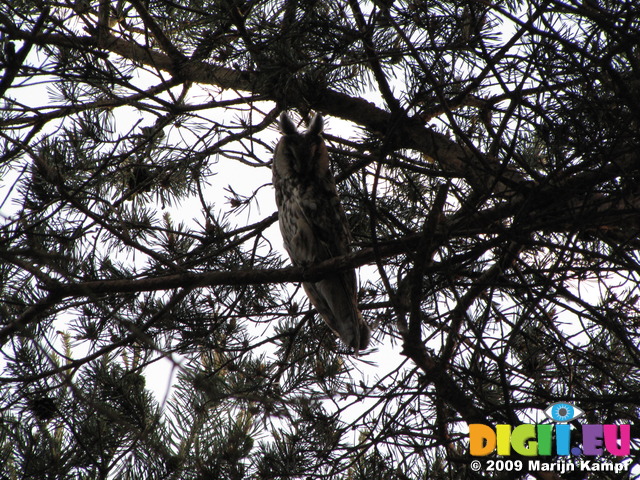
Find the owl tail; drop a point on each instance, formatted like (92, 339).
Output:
(338, 307)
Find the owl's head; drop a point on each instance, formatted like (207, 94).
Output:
(301, 154)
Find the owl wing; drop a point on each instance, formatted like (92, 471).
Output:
(335, 296)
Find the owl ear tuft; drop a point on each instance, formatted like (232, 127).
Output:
(286, 124)
(316, 125)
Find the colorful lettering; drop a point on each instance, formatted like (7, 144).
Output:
(504, 436)
(532, 440)
(523, 440)
(545, 433)
(592, 439)
(611, 439)
(482, 440)
(563, 439)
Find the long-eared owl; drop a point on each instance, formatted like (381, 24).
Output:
(314, 226)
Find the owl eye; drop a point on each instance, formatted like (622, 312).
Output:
(563, 412)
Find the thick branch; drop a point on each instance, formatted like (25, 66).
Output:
(402, 133)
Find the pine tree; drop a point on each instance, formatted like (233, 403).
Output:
(488, 157)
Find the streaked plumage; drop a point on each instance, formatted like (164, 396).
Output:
(314, 226)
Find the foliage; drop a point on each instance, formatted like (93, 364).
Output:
(488, 157)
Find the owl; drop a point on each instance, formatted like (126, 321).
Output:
(314, 226)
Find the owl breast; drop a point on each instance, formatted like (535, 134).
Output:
(310, 225)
